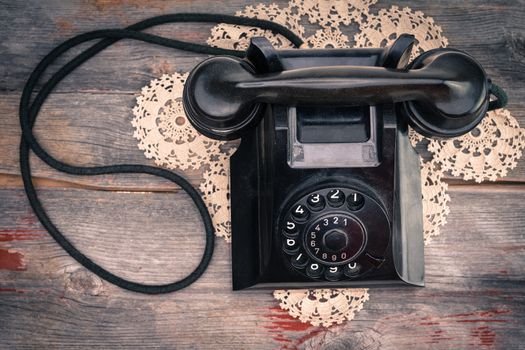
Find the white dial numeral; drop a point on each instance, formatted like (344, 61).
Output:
(314, 267)
(290, 242)
(313, 235)
(324, 256)
(334, 257)
(333, 269)
(343, 256)
(325, 222)
(315, 198)
(336, 220)
(290, 225)
(317, 250)
(335, 195)
(299, 209)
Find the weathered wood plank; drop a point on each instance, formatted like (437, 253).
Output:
(478, 27)
(474, 295)
(95, 129)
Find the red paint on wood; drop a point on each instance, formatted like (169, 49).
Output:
(513, 248)
(12, 290)
(487, 313)
(476, 316)
(281, 339)
(294, 326)
(19, 235)
(482, 320)
(277, 309)
(494, 312)
(285, 321)
(282, 317)
(282, 324)
(470, 317)
(12, 261)
(485, 336)
(438, 336)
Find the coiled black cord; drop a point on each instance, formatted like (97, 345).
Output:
(29, 112)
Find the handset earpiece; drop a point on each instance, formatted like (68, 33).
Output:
(444, 92)
(213, 103)
(464, 103)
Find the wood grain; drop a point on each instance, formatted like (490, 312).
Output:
(474, 293)
(144, 228)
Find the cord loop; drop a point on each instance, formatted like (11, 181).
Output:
(29, 112)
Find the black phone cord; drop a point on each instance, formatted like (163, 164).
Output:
(29, 111)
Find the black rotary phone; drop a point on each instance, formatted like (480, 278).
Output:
(325, 186)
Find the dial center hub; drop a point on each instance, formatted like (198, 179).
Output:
(335, 240)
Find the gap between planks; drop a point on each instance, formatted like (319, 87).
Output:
(455, 185)
(15, 181)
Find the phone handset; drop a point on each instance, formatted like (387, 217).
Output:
(443, 93)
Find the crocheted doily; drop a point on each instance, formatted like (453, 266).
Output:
(163, 131)
(322, 307)
(435, 199)
(166, 136)
(485, 153)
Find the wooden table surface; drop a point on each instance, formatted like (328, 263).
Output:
(147, 230)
